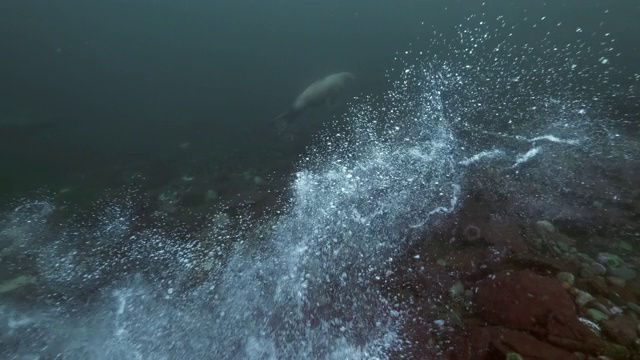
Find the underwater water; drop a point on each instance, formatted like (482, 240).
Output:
(321, 269)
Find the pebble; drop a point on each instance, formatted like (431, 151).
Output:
(537, 243)
(616, 281)
(624, 273)
(566, 277)
(634, 307)
(513, 356)
(600, 307)
(583, 297)
(596, 315)
(457, 289)
(563, 246)
(592, 269)
(623, 246)
(609, 260)
(544, 226)
(616, 299)
(584, 258)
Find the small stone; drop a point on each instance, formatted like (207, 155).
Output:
(513, 356)
(615, 351)
(584, 258)
(623, 247)
(598, 285)
(537, 243)
(597, 268)
(622, 330)
(624, 273)
(585, 272)
(566, 277)
(616, 299)
(457, 289)
(600, 307)
(609, 260)
(634, 307)
(616, 281)
(616, 310)
(582, 297)
(441, 262)
(634, 288)
(563, 246)
(596, 315)
(544, 226)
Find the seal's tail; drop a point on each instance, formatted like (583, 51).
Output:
(287, 117)
(281, 122)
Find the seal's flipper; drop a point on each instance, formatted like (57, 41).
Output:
(281, 123)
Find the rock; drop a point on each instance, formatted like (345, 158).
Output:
(602, 308)
(582, 297)
(544, 227)
(457, 289)
(622, 330)
(566, 277)
(622, 247)
(597, 285)
(609, 260)
(615, 351)
(633, 287)
(592, 269)
(504, 233)
(634, 307)
(616, 299)
(596, 315)
(586, 273)
(615, 281)
(522, 300)
(514, 356)
(508, 341)
(495, 342)
(534, 261)
(623, 272)
(563, 246)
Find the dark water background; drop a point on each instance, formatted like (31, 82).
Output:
(129, 81)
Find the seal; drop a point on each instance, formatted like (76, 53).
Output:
(322, 92)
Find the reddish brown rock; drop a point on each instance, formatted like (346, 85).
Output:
(622, 330)
(495, 342)
(469, 260)
(505, 233)
(523, 300)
